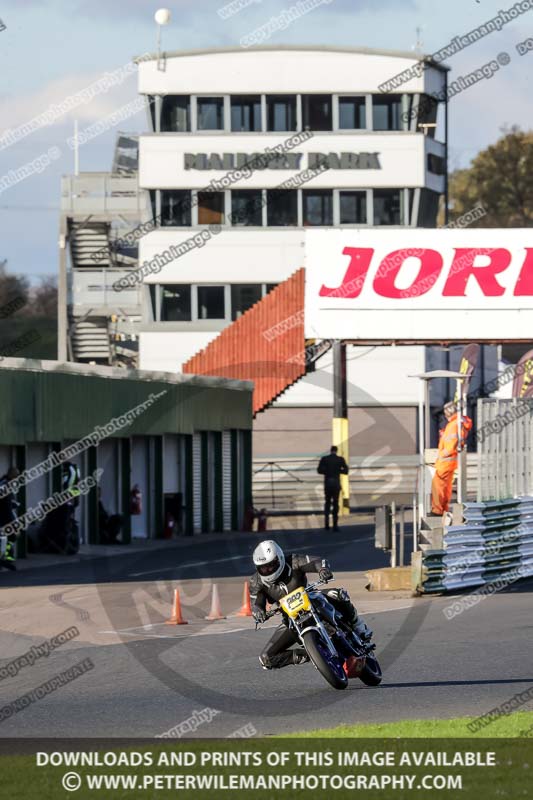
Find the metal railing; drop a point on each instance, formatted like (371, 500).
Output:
(292, 484)
(94, 289)
(102, 193)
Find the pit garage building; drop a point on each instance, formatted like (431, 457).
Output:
(188, 451)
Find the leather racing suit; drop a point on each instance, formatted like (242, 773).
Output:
(276, 653)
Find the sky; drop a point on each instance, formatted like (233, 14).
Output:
(50, 50)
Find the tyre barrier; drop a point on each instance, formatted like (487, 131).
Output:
(494, 545)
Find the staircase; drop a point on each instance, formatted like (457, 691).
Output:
(90, 340)
(86, 239)
(265, 345)
(95, 337)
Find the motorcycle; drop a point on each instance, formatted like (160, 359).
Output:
(334, 649)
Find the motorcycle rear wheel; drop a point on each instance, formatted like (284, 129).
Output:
(371, 672)
(318, 653)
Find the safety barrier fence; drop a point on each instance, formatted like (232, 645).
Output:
(291, 484)
(504, 443)
(492, 549)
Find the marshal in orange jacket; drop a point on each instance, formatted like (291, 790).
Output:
(446, 463)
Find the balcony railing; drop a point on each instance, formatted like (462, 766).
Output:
(94, 289)
(102, 193)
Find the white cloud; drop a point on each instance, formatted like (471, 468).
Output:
(21, 108)
(478, 114)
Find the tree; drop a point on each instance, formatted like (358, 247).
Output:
(44, 299)
(501, 180)
(12, 288)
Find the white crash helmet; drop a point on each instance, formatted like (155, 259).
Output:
(269, 560)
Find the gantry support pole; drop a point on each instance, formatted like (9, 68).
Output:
(340, 420)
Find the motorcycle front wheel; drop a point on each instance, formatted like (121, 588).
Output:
(330, 667)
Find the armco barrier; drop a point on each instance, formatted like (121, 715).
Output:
(495, 543)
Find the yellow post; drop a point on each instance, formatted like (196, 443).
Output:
(340, 439)
(340, 419)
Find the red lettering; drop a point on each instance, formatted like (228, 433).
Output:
(352, 283)
(463, 267)
(524, 284)
(428, 272)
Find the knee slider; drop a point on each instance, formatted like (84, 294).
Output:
(265, 661)
(338, 594)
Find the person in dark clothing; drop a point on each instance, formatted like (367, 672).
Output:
(109, 525)
(8, 514)
(276, 575)
(332, 467)
(59, 532)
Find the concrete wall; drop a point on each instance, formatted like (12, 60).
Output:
(375, 375)
(301, 432)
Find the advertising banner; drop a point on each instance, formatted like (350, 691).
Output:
(523, 380)
(411, 286)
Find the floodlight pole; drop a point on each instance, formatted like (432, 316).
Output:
(460, 457)
(162, 17)
(421, 448)
(159, 47)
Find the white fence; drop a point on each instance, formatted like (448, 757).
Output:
(504, 440)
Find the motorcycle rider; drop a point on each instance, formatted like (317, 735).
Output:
(276, 575)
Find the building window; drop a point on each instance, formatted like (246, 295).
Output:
(428, 208)
(175, 302)
(152, 193)
(352, 113)
(247, 207)
(151, 108)
(210, 113)
(246, 113)
(353, 208)
(281, 112)
(269, 287)
(152, 288)
(211, 303)
(176, 208)
(210, 208)
(317, 112)
(387, 207)
(387, 112)
(436, 164)
(243, 297)
(282, 207)
(426, 113)
(318, 207)
(176, 113)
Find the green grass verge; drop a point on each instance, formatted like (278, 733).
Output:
(505, 775)
(508, 726)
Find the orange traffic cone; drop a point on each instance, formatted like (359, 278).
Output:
(246, 608)
(216, 611)
(176, 618)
